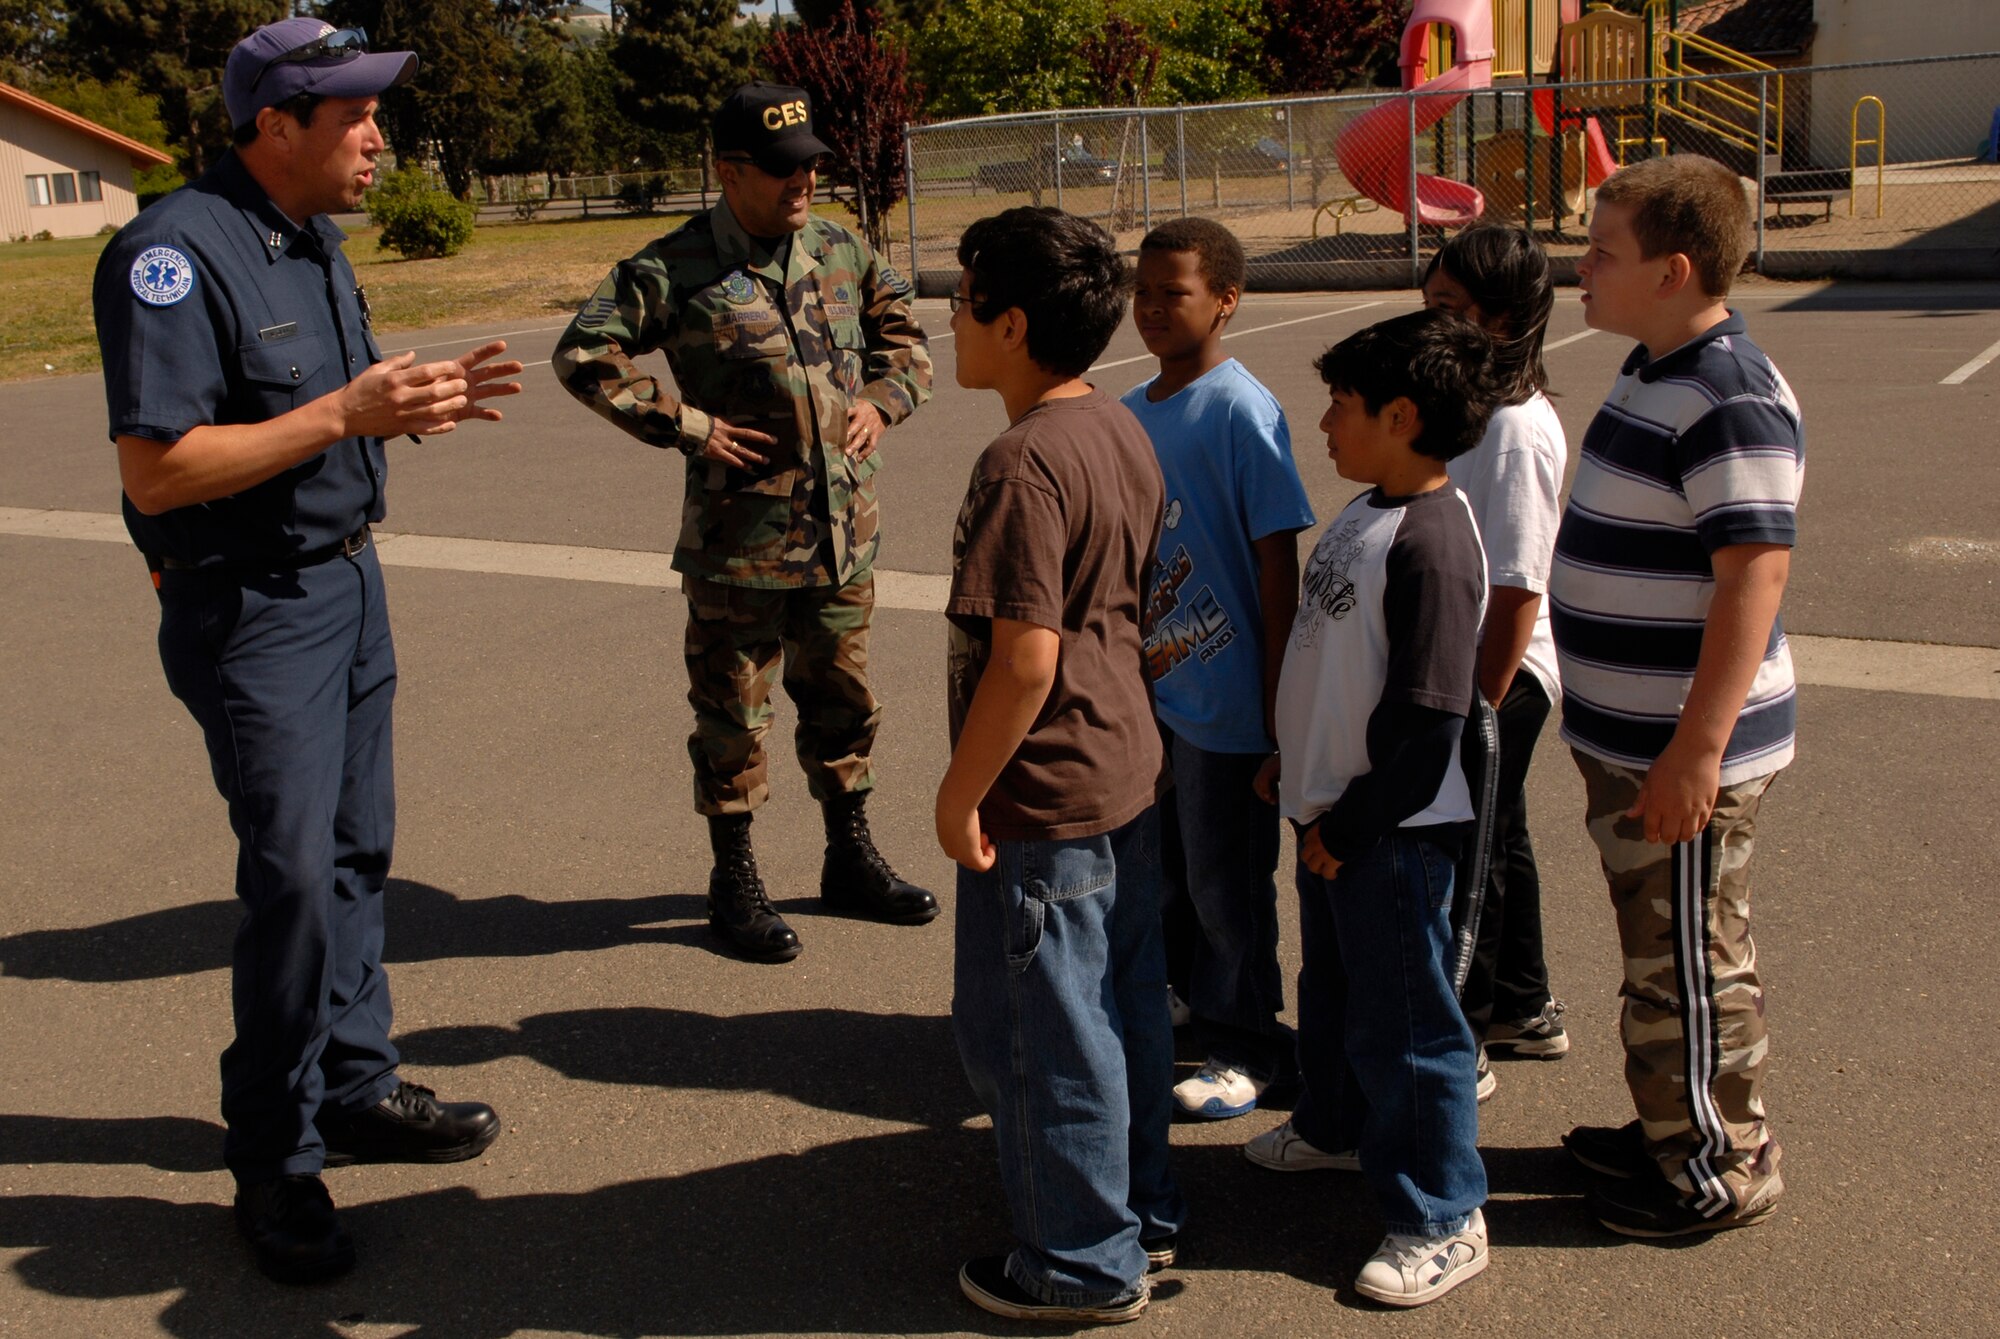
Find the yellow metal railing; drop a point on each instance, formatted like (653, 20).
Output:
(1441, 51)
(1723, 108)
(1854, 143)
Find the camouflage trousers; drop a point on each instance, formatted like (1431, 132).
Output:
(738, 639)
(1693, 1020)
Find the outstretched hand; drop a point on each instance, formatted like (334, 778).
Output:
(400, 395)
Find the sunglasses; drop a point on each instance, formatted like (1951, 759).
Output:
(342, 45)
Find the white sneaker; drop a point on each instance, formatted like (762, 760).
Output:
(1487, 1083)
(1410, 1271)
(1282, 1150)
(1178, 1012)
(1218, 1092)
(1541, 1036)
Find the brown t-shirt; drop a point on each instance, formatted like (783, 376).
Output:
(1059, 528)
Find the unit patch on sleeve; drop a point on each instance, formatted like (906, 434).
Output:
(162, 276)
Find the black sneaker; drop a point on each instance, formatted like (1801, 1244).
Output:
(409, 1125)
(1654, 1207)
(984, 1281)
(290, 1225)
(1161, 1252)
(1611, 1151)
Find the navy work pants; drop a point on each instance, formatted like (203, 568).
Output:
(290, 676)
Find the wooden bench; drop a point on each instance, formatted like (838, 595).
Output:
(1813, 185)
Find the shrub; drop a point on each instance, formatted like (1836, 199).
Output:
(417, 220)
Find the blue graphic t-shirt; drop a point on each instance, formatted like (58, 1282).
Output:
(1226, 456)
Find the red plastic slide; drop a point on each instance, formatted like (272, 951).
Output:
(1597, 160)
(1374, 155)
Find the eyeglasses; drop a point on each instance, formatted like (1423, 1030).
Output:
(817, 163)
(342, 45)
(957, 300)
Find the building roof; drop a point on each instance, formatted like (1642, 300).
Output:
(1754, 27)
(142, 155)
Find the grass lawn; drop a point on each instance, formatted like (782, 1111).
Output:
(507, 273)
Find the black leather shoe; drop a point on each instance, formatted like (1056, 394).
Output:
(290, 1225)
(409, 1125)
(856, 878)
(738, 909)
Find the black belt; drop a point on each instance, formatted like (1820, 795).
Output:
(346, 548)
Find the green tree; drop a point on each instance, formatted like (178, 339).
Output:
(680, 59)
(985, 56)
(175, 50)
(1210, 50)
(30, 32)
(119, 105)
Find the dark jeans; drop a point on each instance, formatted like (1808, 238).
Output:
(291, 677)
(1509, 977)
(1059, 1006)
(1219, 857)
(1389, 1065)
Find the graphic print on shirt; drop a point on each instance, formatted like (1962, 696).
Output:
(1326, 593)
(1181, 626)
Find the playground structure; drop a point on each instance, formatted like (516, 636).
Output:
(1616, 85)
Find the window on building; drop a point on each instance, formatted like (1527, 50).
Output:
(38, 190)
(65, 187)
(88, 187)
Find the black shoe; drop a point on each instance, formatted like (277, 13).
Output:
(1643, 1206)
(856, 878)
(1161, 1252)
(409, 1125)
(738, 910)
(290, 1225)
(985, 1282)
(1612, 1151)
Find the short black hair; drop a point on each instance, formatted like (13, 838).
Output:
(1219, 256)
(1443, 364)
(300, 107)
(1063, 272)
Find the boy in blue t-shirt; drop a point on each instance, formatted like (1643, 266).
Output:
(1222, 603)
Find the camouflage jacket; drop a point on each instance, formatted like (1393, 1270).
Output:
(782, 352)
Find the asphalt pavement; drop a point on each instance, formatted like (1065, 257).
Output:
(696, 1145)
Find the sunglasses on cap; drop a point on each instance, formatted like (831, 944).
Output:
(345, 44)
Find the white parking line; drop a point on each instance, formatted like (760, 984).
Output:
(1255, 329)
(1825, 662)
(475, 339)
(1569, 339)
(1964, 374)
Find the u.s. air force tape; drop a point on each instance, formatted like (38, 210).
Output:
(162, 276)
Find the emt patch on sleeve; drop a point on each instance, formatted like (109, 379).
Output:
(162, 276)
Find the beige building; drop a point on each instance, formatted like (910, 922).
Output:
(61, 174)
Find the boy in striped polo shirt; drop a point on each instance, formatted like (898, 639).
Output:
(1678, 698)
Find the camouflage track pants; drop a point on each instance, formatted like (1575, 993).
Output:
(737, 639)
(1693, 1022)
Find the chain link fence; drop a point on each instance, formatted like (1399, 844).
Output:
(1882, 169)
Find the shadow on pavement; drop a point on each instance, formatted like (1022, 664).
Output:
(860, 1236)
(424, 924)
(170, 1143)
(900, 1067)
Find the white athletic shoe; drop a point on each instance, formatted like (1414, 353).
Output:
(1218, 1092)
(1541, 1036)
(1410, 1271)
(1487, 1083)
(1282, 1150)
(1178, 1012)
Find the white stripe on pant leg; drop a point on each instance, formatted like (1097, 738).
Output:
(1689, 871)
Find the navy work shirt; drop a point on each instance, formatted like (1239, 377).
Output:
(214, 308)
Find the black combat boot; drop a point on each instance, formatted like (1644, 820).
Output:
(737, 907)
(856, 878)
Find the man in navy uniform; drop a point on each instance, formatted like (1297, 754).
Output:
(250, 405)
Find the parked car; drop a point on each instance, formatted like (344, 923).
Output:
(1079, 167)
(1231, 160)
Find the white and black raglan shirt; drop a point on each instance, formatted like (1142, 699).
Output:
(1380, 670)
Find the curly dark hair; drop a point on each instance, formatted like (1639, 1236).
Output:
(1063, 272)
(1443, 364)
(1220, 256)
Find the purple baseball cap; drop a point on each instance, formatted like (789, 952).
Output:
(293, 56)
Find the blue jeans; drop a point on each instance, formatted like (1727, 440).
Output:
(1060, 1010)
(1388, 1062)
(1220, 846)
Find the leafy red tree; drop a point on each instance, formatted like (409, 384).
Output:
(1122, 62)
(862, 96)
(1319, 46)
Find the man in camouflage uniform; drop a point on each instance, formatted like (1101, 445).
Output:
(793, 349)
